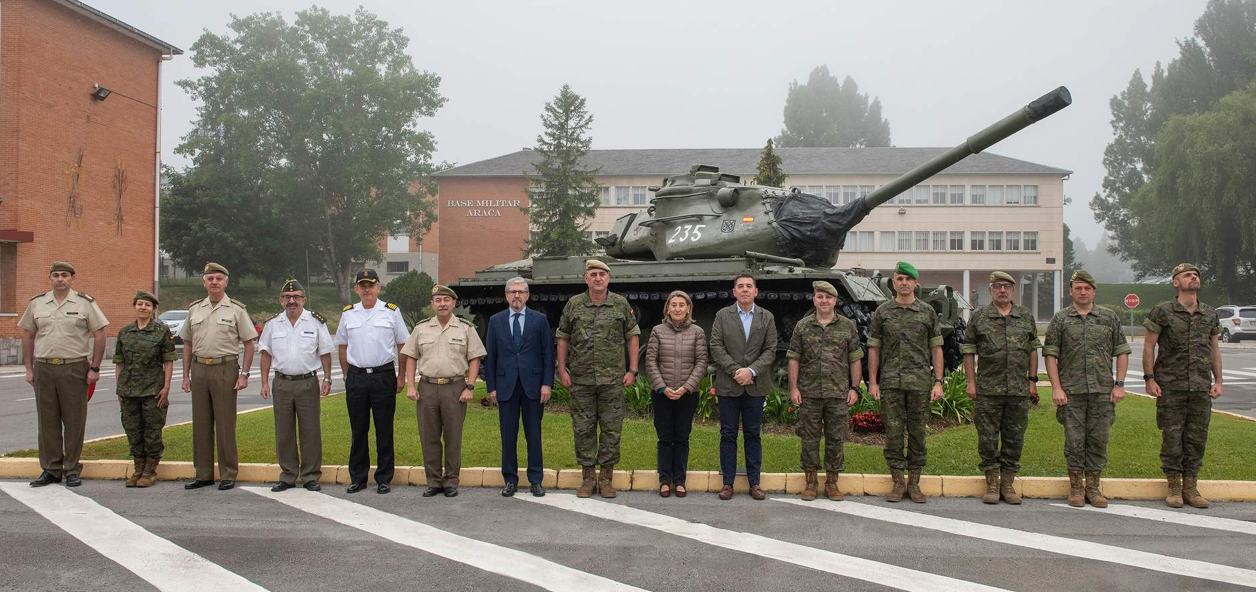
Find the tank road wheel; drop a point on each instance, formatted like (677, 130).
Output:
(951, 356)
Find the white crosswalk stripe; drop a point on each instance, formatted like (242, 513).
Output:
(505, 561)
(1184, 517)
(158, 561)
(1044, 542)
(1228, 373)
(835, 563)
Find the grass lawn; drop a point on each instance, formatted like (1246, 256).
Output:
(262, 301)
(1133, 448)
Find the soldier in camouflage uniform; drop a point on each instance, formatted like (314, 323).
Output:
(1081, 342)
(905, 357)
(824, 374)
(144, 360)
(1184, 376)
(594, 328)
(1003, 335)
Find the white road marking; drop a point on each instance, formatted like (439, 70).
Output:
(27, 399)
(158, 561)
(1045, 542)
(1186, 518)
(505, 561)
(1228, 373)
(760, 546)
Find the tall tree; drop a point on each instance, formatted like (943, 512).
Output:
(563, 193)
(1071, 263)
(320, 118)
(769, 168)
(824, 113)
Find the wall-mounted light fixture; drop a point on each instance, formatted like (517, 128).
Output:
(900, 210)
(100, 93)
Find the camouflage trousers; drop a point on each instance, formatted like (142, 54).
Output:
(1001, 420)
(1182, 417)
(826, 417)
(143, 420)
(1087, 418)
(905, 411)
(594, 407)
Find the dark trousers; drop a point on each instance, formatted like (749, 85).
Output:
(748, 411)
(61, 409)
(673, 420)
(509, 412)
(366, 395)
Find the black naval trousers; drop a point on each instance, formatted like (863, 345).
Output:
(367, 395)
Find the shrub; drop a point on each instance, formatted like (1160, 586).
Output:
(954, 404)
(867, 422)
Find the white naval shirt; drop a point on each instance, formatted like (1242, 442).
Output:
(371, 334)
(295, 349)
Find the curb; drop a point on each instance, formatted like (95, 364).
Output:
(697, 481)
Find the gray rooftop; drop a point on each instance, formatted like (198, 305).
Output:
(796, 161)
(125, 29)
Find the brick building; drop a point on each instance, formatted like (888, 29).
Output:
(80, 108)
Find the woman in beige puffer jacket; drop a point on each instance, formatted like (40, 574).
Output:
(675, 362)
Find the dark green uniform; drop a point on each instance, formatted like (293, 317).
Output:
(1184, 372)
(1004, 346)
(1084, 347)
(143, 353)
(596, 334)
(824, 353)
(905, 336)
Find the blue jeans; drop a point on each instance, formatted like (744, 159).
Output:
(750, 412)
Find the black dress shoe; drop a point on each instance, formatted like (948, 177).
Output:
(432, 491)
(73, 480)
(312, 486)
(451, 492)
(355, 487)
(537, 490)
(226, 484)
(45, 478)
(281, 486)
(383, 488)
(510, 489)
(199, 483)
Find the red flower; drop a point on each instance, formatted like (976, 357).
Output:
(712, 391)
(790, 409)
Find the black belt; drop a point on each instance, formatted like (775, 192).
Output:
(356, 370)
(295, 376)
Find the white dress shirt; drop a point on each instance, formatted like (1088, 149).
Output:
(295, 349)
(371, 334)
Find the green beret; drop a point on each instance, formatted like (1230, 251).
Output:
(596, 264)
(907, 269)
(825, 287)
(1181, 268)
(61, 266)
(144, 295)
(439, 290)
(212, 267)
(1082, 275)
(291, 286)
(1001, 276)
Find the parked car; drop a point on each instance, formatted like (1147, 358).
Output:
(1237, 322)
(175, 319)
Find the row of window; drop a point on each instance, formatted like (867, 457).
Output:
(619, 195)
(978, 240)
(936, 195)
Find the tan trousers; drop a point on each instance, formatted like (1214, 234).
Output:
(214, 414)
(297, 419)
(61, 403)
(440, 418)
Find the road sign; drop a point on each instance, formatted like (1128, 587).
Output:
(1131, 300)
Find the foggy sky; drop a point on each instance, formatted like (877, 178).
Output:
(685, 74)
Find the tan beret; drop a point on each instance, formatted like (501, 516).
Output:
(1082, 275)
(827, 288)
(144, 295)
(61, 266)
(212, 267)
(1181, 268)
(439, 290)
(1001, 276)
(596, 264)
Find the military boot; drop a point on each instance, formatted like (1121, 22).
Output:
(809, 493)
(1076, 494)
(913, 486)
(149, 478)
(1174, 499)
(830, 487)
(1190, 491)
(900, 486)
(992, 487)
(136, 473)
(1007, 480)
(1092, 490)
(587, 478)
(604, 481)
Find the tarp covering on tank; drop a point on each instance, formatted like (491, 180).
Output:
(811, 228)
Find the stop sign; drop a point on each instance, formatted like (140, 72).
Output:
(1131, 300)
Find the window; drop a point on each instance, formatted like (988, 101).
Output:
(399, 243)
(865, 240)
(957, 195)
(1013, 241)
(395, 267)
(1031, 195)
(852, 241)
(833, 194)
(939, 195)
(887, 240)
(1222, 313)
(957, 241)
(904, 241)
(939, 241)
(621, 195)
(816, 190)
(1247, 313)
(978, 194)
(996, 241)
(976, 241)
(638, 196)
(864, 190)
(1013, 194)
(996, 194)
(849, 192)
(1031, 241)
(922, 195)
(922, 241)
(904, 198)
(606, 195)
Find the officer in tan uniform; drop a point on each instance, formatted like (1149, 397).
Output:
(447, 351)
(55, 328)
(215, 328)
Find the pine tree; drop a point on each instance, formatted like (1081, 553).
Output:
(563, 194)
(769, 168)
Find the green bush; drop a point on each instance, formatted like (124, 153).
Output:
(778, 408)
(954, 404)
(638, 397)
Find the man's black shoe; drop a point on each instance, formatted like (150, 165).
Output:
(510, 489)
(73, 480)
(537, 490)
(226, 484)
(451, 492)
(199, 483)
(432, 491)
(281, 486)
(383, 488)
(355, 487)
(45, 478)
(313, 486)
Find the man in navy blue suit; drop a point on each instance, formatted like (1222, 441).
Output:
(519, 370)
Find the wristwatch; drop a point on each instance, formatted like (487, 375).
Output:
(632, 372)
(245, 374)
(1120, 383)
(94, 368)
(327, 380)
(1147, 377)
(1033, 379)
(937, 380)
(469, 387)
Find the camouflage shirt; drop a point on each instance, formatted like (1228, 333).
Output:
(143, 353)
(1084, 347)
(905, 336)
(596, 334)
(1003, 346)
(824, 354)
(1184, 361)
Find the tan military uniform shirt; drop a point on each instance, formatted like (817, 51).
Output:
(217, 331)
(62, 329)
(444, 352)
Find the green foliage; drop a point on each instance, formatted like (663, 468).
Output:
(708, 405)
(778, 408)
(638, 397)
(825, 113)
(954, 405)
(769, 168)
(412, 293)
(563, 194)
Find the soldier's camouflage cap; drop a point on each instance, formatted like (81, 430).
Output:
(366, 275)
(1001, 276)
(1082, 275)
(291, 286)
(439, 290)
(61, 266)
(825, 287)
(1185, 267)
(907, 269)
(212, 267)
(596, 264)
(144, 295)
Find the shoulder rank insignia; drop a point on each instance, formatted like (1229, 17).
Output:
(347, 308)
(270, 318)
(391, 306)
(318, 317)
(195, 302)
(238, 303)
(423, 321)
(39, 296)
(86, 297)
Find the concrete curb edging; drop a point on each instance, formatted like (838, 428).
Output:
(697, 481)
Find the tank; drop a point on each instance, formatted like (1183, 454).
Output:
(704, 227)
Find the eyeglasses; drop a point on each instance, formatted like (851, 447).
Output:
(1001, 286)
(516, 292)
(293, 298)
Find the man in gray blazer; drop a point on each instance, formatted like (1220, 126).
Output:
(743, 347)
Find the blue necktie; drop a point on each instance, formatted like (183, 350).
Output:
(515, 329)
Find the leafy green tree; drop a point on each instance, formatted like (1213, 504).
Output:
(563, 193)
(769, 168)
(1071, 263)
(412, 293)
(825, 113)
(317, 120)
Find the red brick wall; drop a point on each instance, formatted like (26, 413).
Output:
(470, 242)
(50, 57)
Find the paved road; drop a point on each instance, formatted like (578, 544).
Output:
(102, 537)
